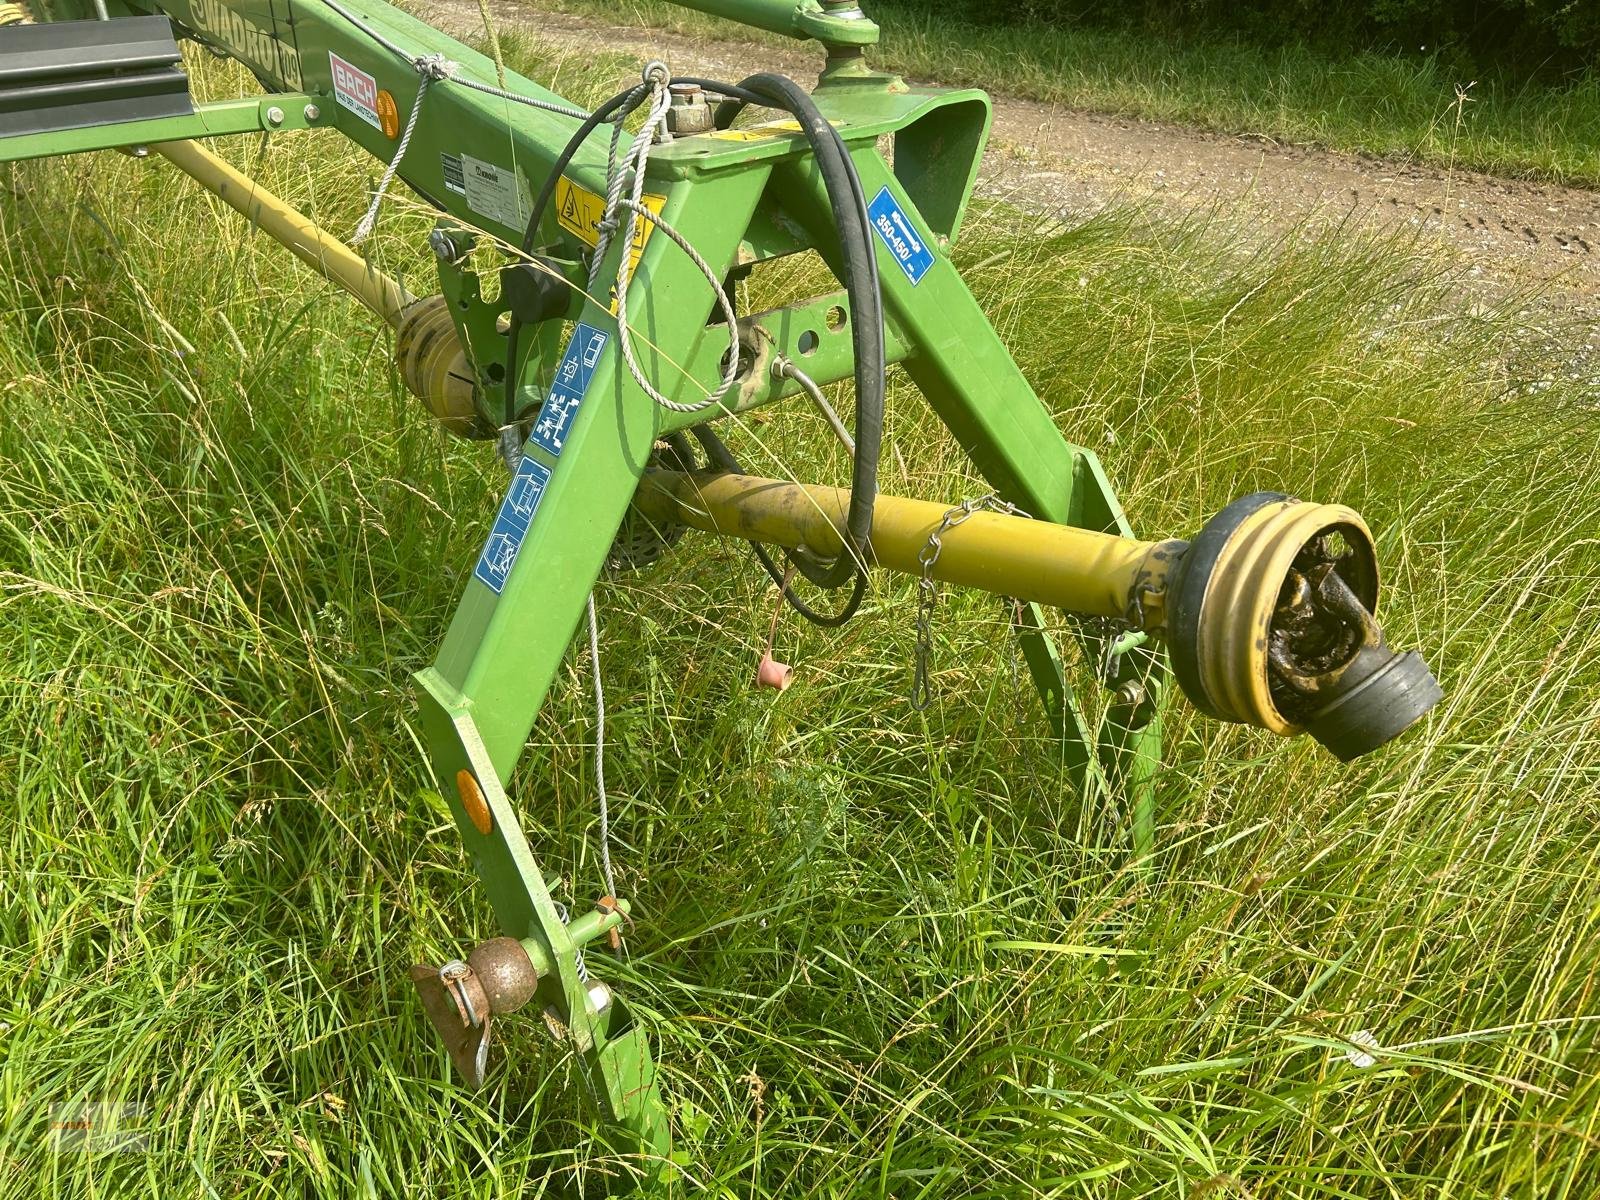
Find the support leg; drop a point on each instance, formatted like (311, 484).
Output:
(972, 382)
(514, 625)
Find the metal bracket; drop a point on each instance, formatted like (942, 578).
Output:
(265, 114)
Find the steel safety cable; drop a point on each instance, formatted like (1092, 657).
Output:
(600, 752)
(637, 160)
(635, 163)
(549, 106)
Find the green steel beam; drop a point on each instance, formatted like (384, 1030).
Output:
(283, 111)
(837, 24)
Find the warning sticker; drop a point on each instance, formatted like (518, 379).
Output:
(354, 89)
(741, 135)
(566, 393)
(494, 192)
(512, 524)
(579, 210)
(760, 133)
(908, 246)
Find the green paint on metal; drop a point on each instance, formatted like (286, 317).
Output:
(208, 120)
(831, 23)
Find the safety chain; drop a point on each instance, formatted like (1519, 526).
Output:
(928, 591)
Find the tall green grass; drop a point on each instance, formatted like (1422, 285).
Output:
(883, 954)
(1417, 105)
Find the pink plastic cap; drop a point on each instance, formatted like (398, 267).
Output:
(774, 674)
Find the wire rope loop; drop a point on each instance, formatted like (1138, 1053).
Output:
(629, 178)
(435, 67)
(730, 374)
(369, 219)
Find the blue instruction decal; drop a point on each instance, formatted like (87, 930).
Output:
(566, 393)
(909, 248)
(511, 526)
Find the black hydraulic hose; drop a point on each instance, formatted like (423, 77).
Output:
(727, 90)
(859, 264)
(719, 456)
(859, 268)
(852, 605)
(530, 233)
(860, 271)
(606, 112)
(722, 458)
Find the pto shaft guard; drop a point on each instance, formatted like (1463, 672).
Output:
(1271, 622)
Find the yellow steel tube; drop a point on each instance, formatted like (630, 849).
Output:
(1220, 602)
(1098, 574)
(309, 242)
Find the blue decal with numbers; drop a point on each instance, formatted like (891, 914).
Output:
(511, 526)
(908, 246)
(566, 393)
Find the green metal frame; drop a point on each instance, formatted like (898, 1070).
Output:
(256, 115)
(740, 202)
(796, 18)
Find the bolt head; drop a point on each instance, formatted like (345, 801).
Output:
(312, 112)
(274, 115)
(689, 113)
(442, 246)
(1131, 693)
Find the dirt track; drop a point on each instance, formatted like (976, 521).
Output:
(1042, 156)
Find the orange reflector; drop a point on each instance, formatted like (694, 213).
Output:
(388, 115)
(472, 799)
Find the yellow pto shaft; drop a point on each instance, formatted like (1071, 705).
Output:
(307, 240)
(1268, 612)
(428, 349)
(1057, 565)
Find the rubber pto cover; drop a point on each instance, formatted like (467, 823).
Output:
(1186, 594)
(1378, 709)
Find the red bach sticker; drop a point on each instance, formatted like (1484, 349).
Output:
(354, 89)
